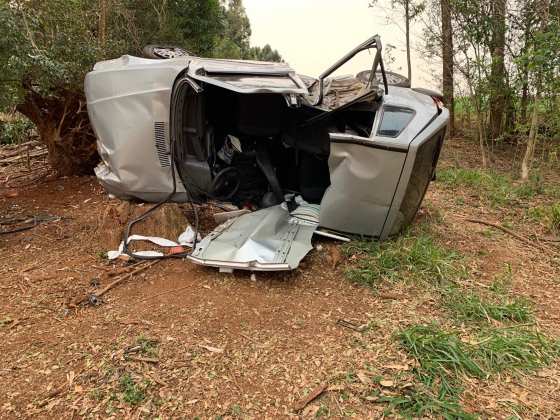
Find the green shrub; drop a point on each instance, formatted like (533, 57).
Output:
(547, 215)
(15, 131)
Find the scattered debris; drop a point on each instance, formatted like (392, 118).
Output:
(151, 360)
(351, 325)
(186, 239)
(212, 349)
(300, 405)
(364, 378)
(25, 223)
(387, 383)
(94, 298)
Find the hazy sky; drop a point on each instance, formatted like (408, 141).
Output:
(313, 34)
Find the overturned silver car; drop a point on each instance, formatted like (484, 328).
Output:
(350, 155)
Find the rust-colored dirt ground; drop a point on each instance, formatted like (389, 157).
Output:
(231, 345)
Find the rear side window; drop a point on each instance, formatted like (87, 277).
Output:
(394, 121)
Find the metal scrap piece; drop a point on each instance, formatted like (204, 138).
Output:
(266, 240)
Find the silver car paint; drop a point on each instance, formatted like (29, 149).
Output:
(391, 225)
(265, 240)
(363, 181)
(127, 99)
(365, 172)
(128, 103)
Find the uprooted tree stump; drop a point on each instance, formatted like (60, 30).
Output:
(168, 222)
(62, 122)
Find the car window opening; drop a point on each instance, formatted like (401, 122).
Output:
(252, 149)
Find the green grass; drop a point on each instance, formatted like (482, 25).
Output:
(497, 189)
(502, 281)
(547, 215)
(444, 358)
(148, 347)
(468, 306)
(418, 403)
(132, 393)
(514, 349)
(407, 257)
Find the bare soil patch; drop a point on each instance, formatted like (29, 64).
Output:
(181, 341)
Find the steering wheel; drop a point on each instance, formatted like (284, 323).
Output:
(225, 184)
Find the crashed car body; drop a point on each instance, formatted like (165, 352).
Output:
(354, 155)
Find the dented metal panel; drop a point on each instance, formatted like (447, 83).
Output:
(266, 240)
(247, 76)
(363, 182)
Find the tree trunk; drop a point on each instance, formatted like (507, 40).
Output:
(542, 10)
(475, 100)
(168, 221)
(481, 139)
(63, 126)
(531, 142)
(524, 96)
(447, 55)
(102, 25)
(407, 24)
(497, 74)
(525, 67)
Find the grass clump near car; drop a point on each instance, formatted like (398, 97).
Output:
(497, 189)
(496, 334)
(444, 358)
(468, 306)
(413, 257)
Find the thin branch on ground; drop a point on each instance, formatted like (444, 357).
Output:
(513, 234)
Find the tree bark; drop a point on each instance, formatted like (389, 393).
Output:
(527, 12)
(407, 25)
(542, 10)
(497, 74)
(531, 142)
(63, 126)
(102, 25)
(447, 55)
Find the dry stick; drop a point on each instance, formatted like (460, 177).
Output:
(57, 391)
(512, 233)
(300, 405)
(126, 276)
(547, 239)
(116, 282)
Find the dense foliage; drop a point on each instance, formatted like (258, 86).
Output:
(506, 65)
